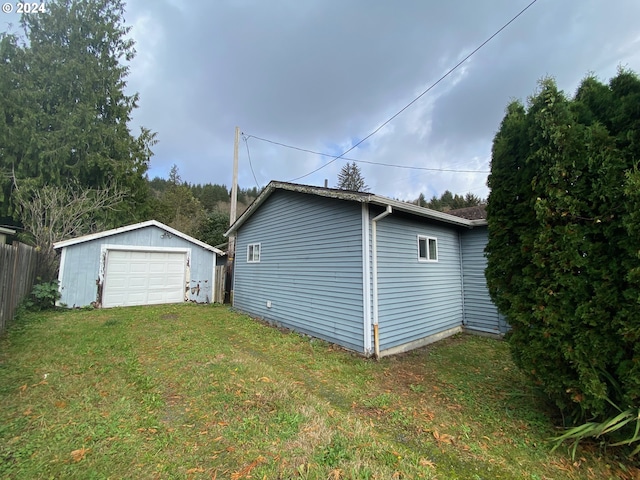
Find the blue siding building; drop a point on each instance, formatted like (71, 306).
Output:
(372, 274)
(142, 264)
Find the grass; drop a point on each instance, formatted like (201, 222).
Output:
(191, 391)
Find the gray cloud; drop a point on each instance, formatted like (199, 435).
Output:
(323, 74)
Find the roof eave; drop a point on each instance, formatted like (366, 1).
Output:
(136, 226)
(360, 197)
(422, 211)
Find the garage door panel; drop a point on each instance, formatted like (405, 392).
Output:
(175, 268)
(175, 281)
(139, 268)
(155, 297)
(119, 268)
(160, 269)
(133, 298)
(143, 278)
(136, 281)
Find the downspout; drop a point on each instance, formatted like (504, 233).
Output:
(374, 222)
(464, 312)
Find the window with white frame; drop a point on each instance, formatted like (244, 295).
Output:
(253, 253)
(427, 249)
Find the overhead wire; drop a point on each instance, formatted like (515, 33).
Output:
(410, 167)
(433, 85)
(246, 142)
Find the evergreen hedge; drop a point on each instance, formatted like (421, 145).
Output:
(564, 242)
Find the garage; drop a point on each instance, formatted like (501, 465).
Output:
(147, 263)
(143, 278)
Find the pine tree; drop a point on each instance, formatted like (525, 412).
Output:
(350, 178)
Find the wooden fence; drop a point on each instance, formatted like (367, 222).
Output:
(218, 291)
(18, 265)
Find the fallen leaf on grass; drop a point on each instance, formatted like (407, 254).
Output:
(195, 470)
(244, 472)
(79, 454)
(264, 379)
(23, 387)
(443, 438)
(427, 463)
(335, 474)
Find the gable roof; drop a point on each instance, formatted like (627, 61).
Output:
(136, 226)
(349, 195)
(477, 212)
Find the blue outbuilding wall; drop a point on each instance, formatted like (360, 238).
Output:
(80, 282)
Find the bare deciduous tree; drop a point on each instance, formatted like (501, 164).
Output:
(51, 213)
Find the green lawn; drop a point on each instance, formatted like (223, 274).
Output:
(189, 391)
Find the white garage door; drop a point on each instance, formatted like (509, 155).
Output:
(143, 278)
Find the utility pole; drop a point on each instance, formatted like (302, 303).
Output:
(232, 214)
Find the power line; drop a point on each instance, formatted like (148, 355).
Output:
(410, 167)
(246, 142)
(422, 94)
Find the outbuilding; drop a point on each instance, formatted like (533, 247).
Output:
(372, 274)
(142, 264)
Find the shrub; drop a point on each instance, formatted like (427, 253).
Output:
(563, 251)
(43, 296)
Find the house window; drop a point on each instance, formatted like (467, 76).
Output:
(427, 249)
(253, 253)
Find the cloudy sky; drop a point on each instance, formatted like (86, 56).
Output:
(323, 74)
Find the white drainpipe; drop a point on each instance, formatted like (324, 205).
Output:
(376, 338)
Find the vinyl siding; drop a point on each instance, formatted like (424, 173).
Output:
(480, 312)
(416, 299)
(82, 265)
(310, 266)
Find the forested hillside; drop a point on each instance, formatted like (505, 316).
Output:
(199, 210)
(449, 201)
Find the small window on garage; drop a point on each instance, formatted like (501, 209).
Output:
(253, 253)
(427, 249)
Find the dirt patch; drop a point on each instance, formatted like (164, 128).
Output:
(169, 316)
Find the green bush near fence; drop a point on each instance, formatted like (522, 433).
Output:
(43, 296)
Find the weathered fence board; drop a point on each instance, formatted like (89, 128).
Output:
(18, 265)
(218, 292)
